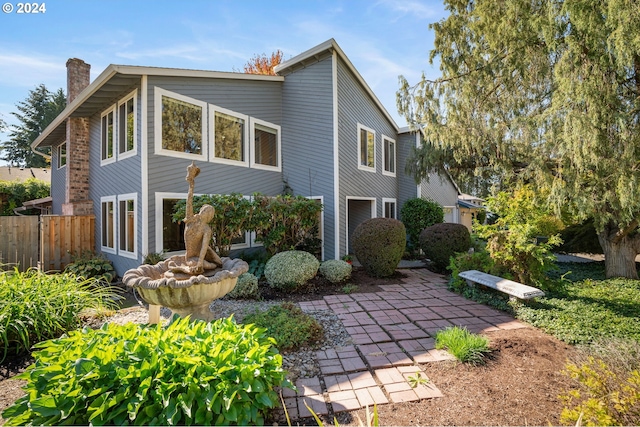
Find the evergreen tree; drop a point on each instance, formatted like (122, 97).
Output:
(34, 113)
(546, 92)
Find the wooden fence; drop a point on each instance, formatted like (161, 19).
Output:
(19, 242)
(48, 242)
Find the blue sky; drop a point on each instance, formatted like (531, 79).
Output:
(382, 38)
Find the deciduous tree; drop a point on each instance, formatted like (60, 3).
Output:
(263, 64)
(546, 92)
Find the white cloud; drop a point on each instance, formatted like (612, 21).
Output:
(31, 70)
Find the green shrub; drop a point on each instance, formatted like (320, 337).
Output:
(153, 258)
(378, 244)
(285, 223)
(418, 214)
(336, 270)
(91, 265)
(440, 242)
(188, 373)
(288, 325)
(246, 287)
(580, 238)
(232, 218)
(462, 344)
(512, 239)
(16, 192)
(291, 269)
(606, 385)
(37, 306)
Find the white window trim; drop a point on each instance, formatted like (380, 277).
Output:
(114, 141)
(386, 200)
(278, 167)
(133, 152)
(59, 155)
(360, 165)
(158, 93)
(213, 109)
(103, 248)
(384, 157)
(160, 197)
(122, 198)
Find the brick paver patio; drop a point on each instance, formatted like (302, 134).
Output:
(392, 333)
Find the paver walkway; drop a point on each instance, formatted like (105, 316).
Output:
(392, 333)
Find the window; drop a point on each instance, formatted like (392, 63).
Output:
(366, 149)
(172, 232)
(389, 208)
(127, 224)
(229, 136)
(180, 128)
(127, 126)
(108, 224)
(62, 155)
(266, 145)
(389, 156)
(107, 135)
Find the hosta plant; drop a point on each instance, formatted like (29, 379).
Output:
(186, 373)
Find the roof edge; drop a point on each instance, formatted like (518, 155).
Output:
(332, 44)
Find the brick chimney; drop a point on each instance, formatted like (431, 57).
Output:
(77, 180)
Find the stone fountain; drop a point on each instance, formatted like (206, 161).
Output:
(187, 284)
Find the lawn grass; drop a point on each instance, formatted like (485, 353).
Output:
(582, 307)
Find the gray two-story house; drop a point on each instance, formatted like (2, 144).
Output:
(121, 147)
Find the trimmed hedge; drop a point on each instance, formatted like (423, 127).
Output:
(290, 269)
(441, 241)
(336, 270)
(379, 244)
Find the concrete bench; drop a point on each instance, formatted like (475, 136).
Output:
(514, 289)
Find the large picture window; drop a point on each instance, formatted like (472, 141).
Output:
(108, 223)
(180, 125)
(229, 136)
(265, 150)
(127, 126)
(107, 130)
(366, 148)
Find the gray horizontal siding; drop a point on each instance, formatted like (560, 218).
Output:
(117, 178)
(355, 106)
(407, 187)
(257, 99)
(58, 183)
(307, 143)
(439, 189)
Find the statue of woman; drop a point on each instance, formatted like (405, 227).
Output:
(197, 233)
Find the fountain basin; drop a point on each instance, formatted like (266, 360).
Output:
(185, 295)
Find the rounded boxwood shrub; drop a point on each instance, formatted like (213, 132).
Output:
(290, 269)
(246, 287)
(188, 373)
(440, 242)
(378, 244)
(336, 270)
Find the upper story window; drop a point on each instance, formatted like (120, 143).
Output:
(388, 156)
(107, 131)
(366, 148)
(266, 145)
(230, 136)
(180, 127)
(62, 154)
(127, 126)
